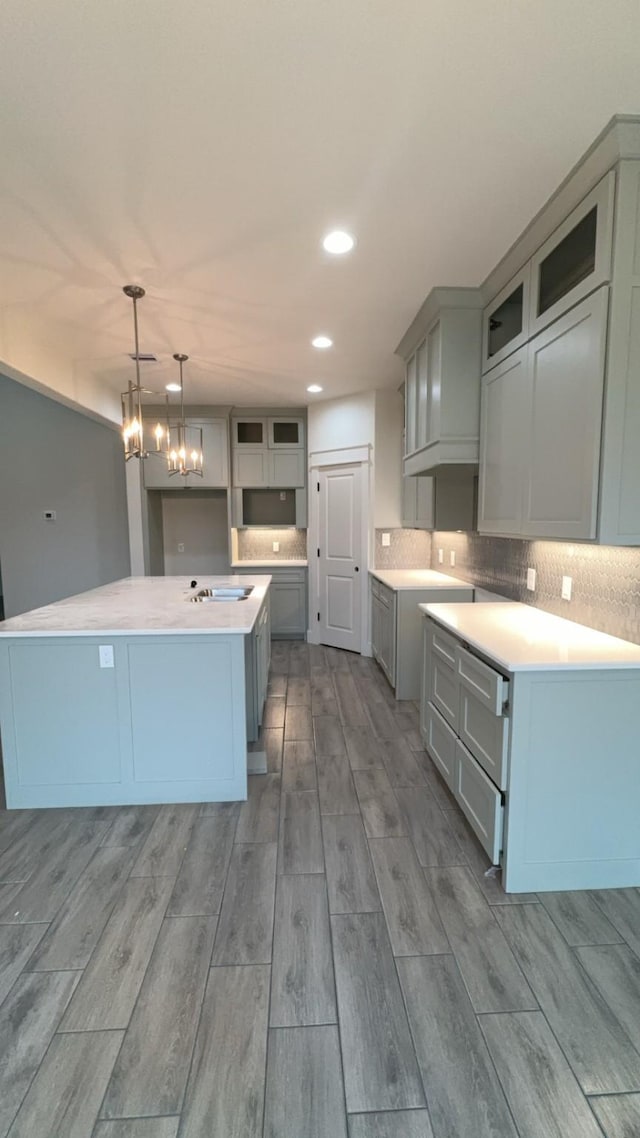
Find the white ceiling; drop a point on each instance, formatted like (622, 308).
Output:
(203, 147)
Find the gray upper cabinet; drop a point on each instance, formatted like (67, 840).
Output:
(418, 508)
(541, 425)
(502, 439)
(442, 350)
(565, 384)
(215, 465)
(268, 450)
(249, 432)
(560, 419)
(505, 322)
(576, 259)
(285, 433)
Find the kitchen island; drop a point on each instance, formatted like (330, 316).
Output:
(134, 693)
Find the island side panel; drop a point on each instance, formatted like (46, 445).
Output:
(165, 724)
(573, 798)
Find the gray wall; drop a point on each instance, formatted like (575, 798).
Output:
(54, 458)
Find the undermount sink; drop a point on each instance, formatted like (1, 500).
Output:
(222, 593)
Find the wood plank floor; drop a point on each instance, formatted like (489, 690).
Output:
(326, 959)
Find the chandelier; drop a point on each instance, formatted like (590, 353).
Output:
(184, 441)
(132, 422)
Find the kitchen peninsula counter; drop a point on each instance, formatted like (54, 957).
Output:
(131, 693)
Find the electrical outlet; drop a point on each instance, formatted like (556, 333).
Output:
(452, 558)
(386, 539)
(180, 547)
(566, 588)
(105, 655)
(276, 546)
(283, 495)
(440, 556)
(531, 579)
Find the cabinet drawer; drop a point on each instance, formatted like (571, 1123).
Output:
(440, 742)
(487, 686)
(485, 734)
(480, 801)
(386, 596)
(442, 645)
(443, 689)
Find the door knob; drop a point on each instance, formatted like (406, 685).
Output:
(357, 569)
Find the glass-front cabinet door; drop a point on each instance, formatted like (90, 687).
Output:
(249, 432)
(286, 434)
(506, 321)
(576, 259)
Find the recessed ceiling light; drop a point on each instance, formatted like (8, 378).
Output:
(338, 242)
(322, 342)
(314, 388)
(173, 387)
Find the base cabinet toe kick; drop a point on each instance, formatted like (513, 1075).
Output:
(543, 763)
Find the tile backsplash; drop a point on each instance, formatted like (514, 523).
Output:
(409, 549)
(605, 579)
(257, 544)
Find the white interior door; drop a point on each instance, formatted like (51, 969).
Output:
(340, 563)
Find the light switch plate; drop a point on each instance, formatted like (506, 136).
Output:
(386, 539)
(440, 556)
(180, 547)
(566, 588)
(105, 653)
(276, 546)
(452, 558)
(531, 579)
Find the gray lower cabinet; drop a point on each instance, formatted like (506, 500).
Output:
(396, 630)
(288, 597)
(383, 628)
(527, 755)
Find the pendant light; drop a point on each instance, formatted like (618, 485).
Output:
(184, 441)
(132, 422)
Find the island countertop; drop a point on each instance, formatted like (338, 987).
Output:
(523, 638)
(147, 605)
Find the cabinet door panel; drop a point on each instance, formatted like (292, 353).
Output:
(250, 432)
(409, 501)
(215, 451)
(422, 433)
(566, 385)
(441, 744)
(411, 407)
(505, 322)
(485, 734)
(286, 433)
(286, 468)
(576, 259)
(434, 382)
(425, 495)
(481, 802)
(502, 441)
(288, 608)
(250, 468)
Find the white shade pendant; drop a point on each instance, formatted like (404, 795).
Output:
(184, 441)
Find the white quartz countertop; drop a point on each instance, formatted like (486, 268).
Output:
(153, 605)
(418, 579)
(522, 638)
(281, 563)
